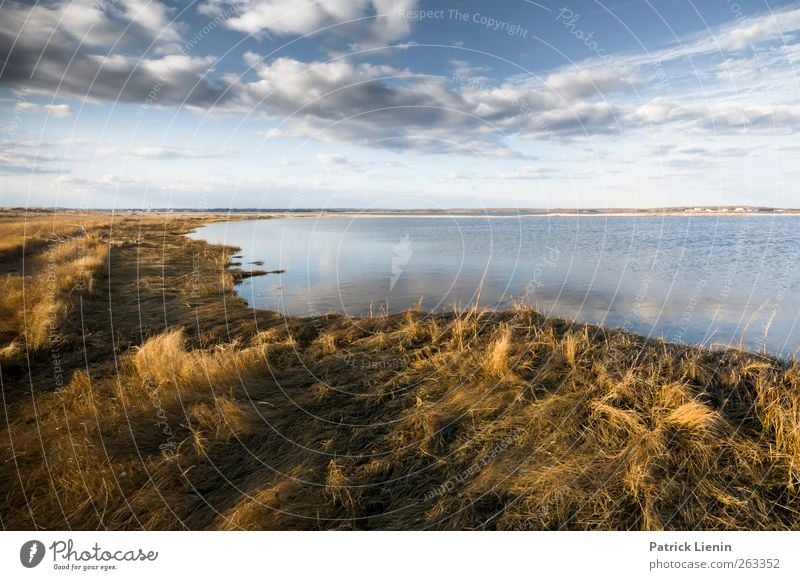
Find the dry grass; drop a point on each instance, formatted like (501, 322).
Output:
(39, 292)
(230, 419)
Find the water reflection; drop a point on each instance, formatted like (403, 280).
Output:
(695, 279)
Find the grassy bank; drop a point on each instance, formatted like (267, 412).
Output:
(152, 397)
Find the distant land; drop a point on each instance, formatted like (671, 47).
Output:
(733, 210)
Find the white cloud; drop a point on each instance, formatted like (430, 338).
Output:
(655, 112)
(529, 172)
(32, 157)
(582, 83)
(162, 152)
(470, 73)
(332, 162)
(741, 72)
(58, 111)
(719, 116)
(761, 29)
(153, 16)
(367, 23)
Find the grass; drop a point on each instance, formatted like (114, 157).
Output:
(63, 259)
(193, 411)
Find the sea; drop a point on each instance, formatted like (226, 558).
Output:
(713, 280)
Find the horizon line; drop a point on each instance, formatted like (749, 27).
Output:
(744, 208)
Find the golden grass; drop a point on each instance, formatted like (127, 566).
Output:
(496, 362)
(230, 419)
(62, 261)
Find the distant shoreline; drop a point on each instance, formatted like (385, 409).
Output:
(494, 216)
(531, 215)
(454, 213)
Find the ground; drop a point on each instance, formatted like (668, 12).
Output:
(140, 392)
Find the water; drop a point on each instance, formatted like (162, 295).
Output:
(696, 279)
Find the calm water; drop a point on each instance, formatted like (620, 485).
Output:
(695, 279)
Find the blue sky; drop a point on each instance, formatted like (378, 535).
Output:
(399, 103)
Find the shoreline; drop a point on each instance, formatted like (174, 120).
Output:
(531, 215)
(455, 213)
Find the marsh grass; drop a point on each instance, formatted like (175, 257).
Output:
(39, 293)
(235, 419)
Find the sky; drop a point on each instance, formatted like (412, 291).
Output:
(399, 103)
